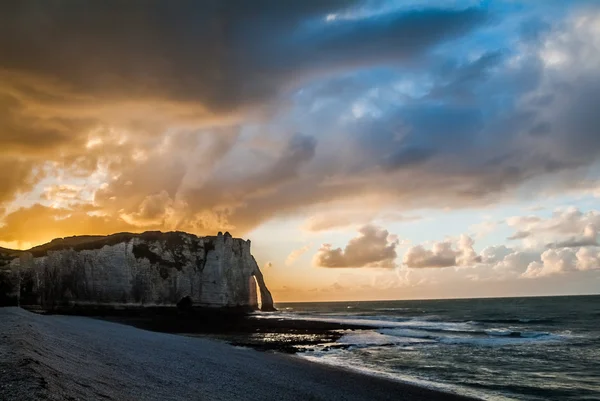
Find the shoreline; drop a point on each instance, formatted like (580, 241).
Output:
(272, 334)
(236, 326)
(289, 336)
(57, 357)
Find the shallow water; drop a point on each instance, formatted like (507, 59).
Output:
(545, 348)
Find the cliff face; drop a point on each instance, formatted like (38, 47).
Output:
(146, 269)
(9, 278)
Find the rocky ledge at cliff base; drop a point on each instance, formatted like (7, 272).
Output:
(132, 270)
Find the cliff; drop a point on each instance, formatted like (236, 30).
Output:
(124, 269)
(9, 278)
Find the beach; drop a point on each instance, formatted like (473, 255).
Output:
(72, 357)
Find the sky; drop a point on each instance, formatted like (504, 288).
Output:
(369, 149)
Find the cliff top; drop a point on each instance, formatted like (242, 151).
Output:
(6, 255)
(6, 251)
(90, 242)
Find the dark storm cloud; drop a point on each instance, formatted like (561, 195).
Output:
(386, 38)
(408, 157)
(189, 107)
(496, 122)
(228, 189)
(299, 150)
(223, 54)
(458, 81)
(69, 67)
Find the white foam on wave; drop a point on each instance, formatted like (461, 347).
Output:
(538, 334)
(492, 337)
(408, 333)
(331, 318)
(411, 330)
(522, 334)
(344, 359)
(437, 326)
(499, 332)
(371, 338)
(374, 321)
(497, 341)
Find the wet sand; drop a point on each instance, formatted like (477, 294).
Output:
(72, 357)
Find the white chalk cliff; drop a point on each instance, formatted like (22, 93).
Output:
(152, 268)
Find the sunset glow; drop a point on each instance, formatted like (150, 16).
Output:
(370, 150)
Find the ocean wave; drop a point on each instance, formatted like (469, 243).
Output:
(517, 334)
(344, 359)
(432, 333)
(425, 329)
(372, 321)
(409, 333)
(373, 338)
(426, 333)
(501, 336)
(376, 321)
(516, 321)
(438, 326)
(498, 341)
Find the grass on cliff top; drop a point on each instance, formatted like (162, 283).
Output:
(89, 242)
(6, 251)
(6, 255)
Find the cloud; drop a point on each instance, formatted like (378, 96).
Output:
(588, 259)
(561, 261)
(495, 254)
(452, 130)
(197, 117)
(16, 176)
(192, 62)
(348, 216)
(335, 220)
(519, 235)
(372, 248)
(509, 266)
(296, 253)
(588, 238)
(65, 193)
(567, 254)
(154, 209)
(442, 254)
(568, 227)
(184, 67)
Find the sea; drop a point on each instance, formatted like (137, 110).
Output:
(535, 348)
